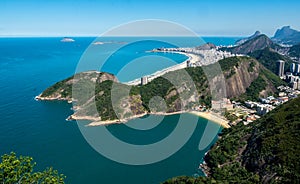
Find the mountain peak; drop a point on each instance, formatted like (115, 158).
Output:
(239, 42)
(257, 33)
(287, 35)
(258, 42)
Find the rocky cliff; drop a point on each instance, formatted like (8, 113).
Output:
(244, 74)
(99, 96)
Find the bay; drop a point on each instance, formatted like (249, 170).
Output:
(39, 129)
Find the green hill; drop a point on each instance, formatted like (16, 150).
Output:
(269, 57)
(266, 151)
(245, 79)
(257, 43)
(295, 51)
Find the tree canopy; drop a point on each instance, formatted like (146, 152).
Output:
(14, 169)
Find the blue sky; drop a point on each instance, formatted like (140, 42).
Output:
(93, 17)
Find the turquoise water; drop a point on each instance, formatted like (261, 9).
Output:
(39, 129)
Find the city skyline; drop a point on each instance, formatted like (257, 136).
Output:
(91, 18)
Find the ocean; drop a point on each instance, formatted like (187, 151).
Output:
(39, 129)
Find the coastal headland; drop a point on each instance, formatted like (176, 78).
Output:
(239, 73)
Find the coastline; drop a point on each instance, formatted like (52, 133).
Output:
(119, 121)
(212, 117)
(192, 58)
(97, 122)
(39, 98)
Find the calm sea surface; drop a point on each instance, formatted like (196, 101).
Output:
(39, 129)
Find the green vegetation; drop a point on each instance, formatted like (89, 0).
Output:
(252, 92)
(67, 89)
(295, 51)
(265, 81)
(251, 66)
(172, 88)
(230, 117)
(274, 79)
(268, 58)
(228, 63)
(276, 142)
(266, 151)
(103, 101)
(158, 87)
(190, 180)
(19, 170)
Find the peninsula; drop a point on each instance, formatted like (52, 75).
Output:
(239, 72)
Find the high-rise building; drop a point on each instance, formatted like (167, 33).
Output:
(293, 68)
(298, 69)
(280, 68)
(188, 63)
(144, 80)
(294, 85)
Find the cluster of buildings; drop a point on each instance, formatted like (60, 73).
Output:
(292, 77)
(250, 110)
(204, 56)
(225, 103)
(261, 107)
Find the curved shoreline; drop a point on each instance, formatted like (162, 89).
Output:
(192, 58)
(206, 115)
(96, 121)
(212, 117)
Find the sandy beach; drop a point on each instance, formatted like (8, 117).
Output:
(212, 117)
(192, 58)
(207, 115)
(118, 121)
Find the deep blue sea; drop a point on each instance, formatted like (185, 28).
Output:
(39, 129)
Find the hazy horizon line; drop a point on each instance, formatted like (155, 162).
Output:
(90, 35)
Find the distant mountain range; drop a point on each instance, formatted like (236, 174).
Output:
(252, 44)
(286, 35)
(265, 50)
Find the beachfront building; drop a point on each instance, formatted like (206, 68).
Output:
(222, 104)
(144, 80)
(188, 63)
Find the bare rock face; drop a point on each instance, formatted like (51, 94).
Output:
(242, 79)
(107, 76)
